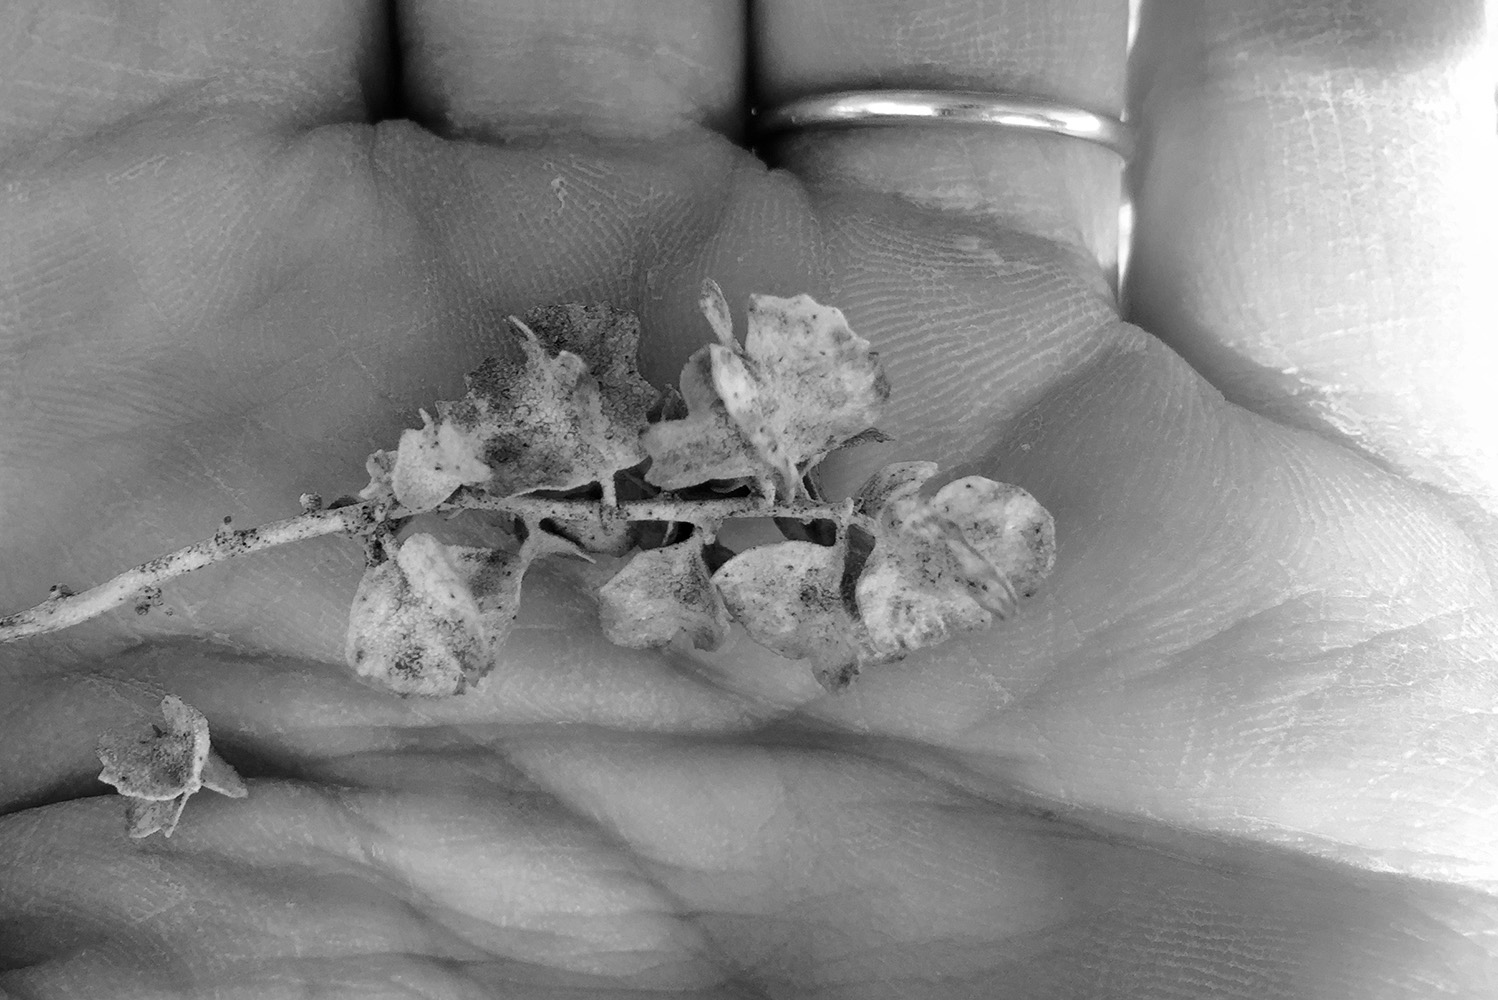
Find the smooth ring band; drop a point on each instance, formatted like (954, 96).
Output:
(907, 107)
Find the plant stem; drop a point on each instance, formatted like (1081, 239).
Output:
(62, 611)
(140, 584)
(703, 513)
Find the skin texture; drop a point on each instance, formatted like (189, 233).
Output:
(1241, 744)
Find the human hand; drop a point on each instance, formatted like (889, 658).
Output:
(1241, 743)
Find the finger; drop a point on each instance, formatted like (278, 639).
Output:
(69, 67)
(621, 69)
(1059, 188)
(976, 258)
(1315, 205)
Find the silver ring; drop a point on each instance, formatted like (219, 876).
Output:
(959, 107)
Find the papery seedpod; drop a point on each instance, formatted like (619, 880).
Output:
(430, 620)
(381, 467)
(545, 422)
(894, 481)
(608, 341)
(159, 771)
(1006, 525)
(431, 462)
(948, 564)
(801, 385)
(792, 597)
(661, 592)
(703, 445)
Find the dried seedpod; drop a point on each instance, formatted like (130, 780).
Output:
(793, 597)
(802, 384)
(158, 772)
(661, 592)
(949, 564)
(542, 423)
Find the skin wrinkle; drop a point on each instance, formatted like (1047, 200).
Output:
(1326, 729)
(1383, 35)
(952, 46)
(999, 186)
(115, 61)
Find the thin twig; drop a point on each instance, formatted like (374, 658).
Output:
(142, 584)
(703, 513)
(63, 609)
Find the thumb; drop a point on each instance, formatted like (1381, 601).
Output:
(1316, 203)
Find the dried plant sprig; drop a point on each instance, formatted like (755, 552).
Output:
(566, 438)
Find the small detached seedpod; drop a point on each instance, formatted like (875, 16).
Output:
(158, 772)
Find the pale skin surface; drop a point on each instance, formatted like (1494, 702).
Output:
(1242, 745)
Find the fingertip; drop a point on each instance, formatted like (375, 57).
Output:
(537, 68)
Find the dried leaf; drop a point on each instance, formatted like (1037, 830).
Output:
(381, 468)
(159, 771)
(608, 341)
(790, 597)
(949, 564)
(871, 436)
(661, 592)
(1005, 525)
(430, 620)
(703, 445)
(434, 460)
(144, 817)
(802, 385)
(714, 306)
(544, 422)
(219, 777)
(671, 406)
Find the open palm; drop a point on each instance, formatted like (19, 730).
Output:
(1242, 743)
